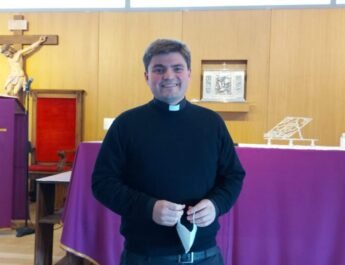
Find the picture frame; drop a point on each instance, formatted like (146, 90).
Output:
(223, 85)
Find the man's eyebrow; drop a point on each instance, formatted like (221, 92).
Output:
(174, 65)
(158, 65)
(178, 65)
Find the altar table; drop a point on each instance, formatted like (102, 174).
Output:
(291, 211)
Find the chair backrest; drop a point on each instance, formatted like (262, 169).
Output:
(56, 123)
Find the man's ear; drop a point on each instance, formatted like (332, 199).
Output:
(146, 76)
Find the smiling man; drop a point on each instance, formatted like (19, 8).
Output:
(168, 76)
(169, 168)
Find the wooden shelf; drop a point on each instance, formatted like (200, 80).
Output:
(224, 106)
(50, 219)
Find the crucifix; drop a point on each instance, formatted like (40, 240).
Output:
(13, 48)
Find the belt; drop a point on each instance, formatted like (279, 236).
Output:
(190, 257)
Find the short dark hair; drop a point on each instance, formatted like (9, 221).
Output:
(165, 46)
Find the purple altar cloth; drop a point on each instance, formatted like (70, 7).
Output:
(90, 230)
(292, 208)
(291, 211)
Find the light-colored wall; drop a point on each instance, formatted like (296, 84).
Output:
(307, 70)
(295, 62)
(235, 35)
(123, 39)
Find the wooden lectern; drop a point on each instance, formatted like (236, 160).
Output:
(13, 160)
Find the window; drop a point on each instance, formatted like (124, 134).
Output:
(62, 4)
(218, 3)
(154, 4)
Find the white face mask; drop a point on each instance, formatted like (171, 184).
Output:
(187, 237)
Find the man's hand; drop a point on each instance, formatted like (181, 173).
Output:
(167, 213)
(205, 213)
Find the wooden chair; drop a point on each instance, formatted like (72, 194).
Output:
(56, 131)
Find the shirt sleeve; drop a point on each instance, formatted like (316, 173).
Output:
(108, 184)
(230, 174)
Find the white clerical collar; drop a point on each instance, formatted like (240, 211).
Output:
(174, 107)
(177, 107)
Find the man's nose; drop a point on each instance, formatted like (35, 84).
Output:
(168, 74)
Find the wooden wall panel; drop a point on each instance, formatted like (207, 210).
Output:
(123, 40)
(307, 71)
(233, 35)
(3, 62)
(296, 62)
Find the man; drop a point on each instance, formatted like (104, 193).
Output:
(16, 80)
(166, 165)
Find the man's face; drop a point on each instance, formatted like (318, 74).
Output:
(168, 77)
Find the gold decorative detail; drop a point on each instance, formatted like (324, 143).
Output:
(79, 254)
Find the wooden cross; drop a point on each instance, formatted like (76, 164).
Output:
(18, 25)
(16, 80)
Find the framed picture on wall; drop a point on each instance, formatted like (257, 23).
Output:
(224, 85)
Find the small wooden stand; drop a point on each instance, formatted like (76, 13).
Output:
(46, 216)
